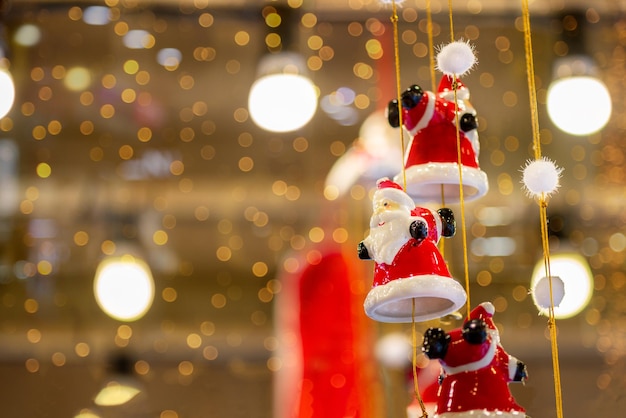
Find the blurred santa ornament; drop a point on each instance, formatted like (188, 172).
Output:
(322, 374)
(411, 279)
(476, 369)
(374, 154)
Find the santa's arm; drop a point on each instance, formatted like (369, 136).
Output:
(515, 369)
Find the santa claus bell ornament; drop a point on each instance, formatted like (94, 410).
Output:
(411, 279)
(431, 165)
(476, 369)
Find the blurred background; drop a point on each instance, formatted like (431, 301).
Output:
(130, 138)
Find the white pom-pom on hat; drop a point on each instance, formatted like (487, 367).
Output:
(456, 58)
(541, 292)
(541, 177)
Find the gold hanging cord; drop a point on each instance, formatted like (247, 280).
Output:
(543, 204)
(431, 51)
(396, 49)
(460, 167)
(394, 21)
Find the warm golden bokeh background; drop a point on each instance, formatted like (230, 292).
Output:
(166, 159)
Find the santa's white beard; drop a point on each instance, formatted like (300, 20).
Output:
(389, 231)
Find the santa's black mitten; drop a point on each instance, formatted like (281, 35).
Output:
(393, 114)
(412, 96)
(468, 122)
(475, 331)
(435, 343)
(363, 253)
(448, 223)
(521, 374)
(418, 230)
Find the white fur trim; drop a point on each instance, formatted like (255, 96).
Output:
(395, 195)
(476, 365)
(424, 181)
(435, 296)
(438, 225)
(512, 366)
(477, 413)
(488, 307)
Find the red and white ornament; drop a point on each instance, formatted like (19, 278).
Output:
(476, 369)
(431, 162)
(403, 243)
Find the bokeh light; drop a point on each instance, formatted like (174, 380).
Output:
(124, 287)
(579, 105)
(282, 102)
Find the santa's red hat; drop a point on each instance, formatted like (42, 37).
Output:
(485, 312)
(388, 189)
(446, 88)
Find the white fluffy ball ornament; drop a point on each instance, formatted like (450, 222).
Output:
(456, 58)
(541, 292)
(541, 177)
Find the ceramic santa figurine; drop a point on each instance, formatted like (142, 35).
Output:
(476, 369)
(451, 89)
(431, 162)
(403, 243)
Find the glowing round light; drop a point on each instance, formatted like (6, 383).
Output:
(27, 35)
(282, 102)
(579, 105)
(77, 79)
(124, 288)
(8, 92)
(96, 15)
(574, 271)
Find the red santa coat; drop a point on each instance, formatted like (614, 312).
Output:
(477, 375)
(481, 385)
(433, 126)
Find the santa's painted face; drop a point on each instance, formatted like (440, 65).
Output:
(386, 210)
(384, 205)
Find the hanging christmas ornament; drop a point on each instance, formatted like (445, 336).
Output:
(431, 168)
(403, 243)
(374, 154)
(476, 369)
(541, 177)
(456, 58)
(548, 293)
(322, 374)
